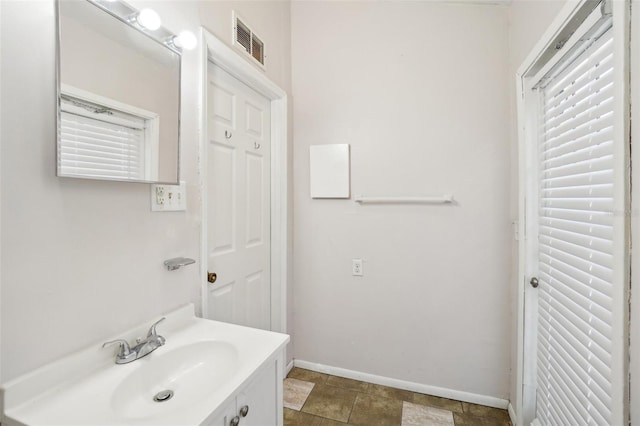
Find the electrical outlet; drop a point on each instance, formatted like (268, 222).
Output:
(159, 195)
(356, 267)
(168, 198)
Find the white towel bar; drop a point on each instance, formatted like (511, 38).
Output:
(444, 199)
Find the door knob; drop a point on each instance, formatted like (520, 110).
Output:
(212, 277)
(534, 282)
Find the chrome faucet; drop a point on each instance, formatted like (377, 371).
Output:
(144, 347)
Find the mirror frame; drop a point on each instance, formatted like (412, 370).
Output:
(119, 10)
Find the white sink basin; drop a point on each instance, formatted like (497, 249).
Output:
(203, 362)
(191, 372)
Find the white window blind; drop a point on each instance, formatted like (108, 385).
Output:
(575, 239)
(101, 142)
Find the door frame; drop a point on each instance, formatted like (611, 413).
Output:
(634, 333)
(215, 50)
(523, 402)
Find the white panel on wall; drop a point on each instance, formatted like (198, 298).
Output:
(329, 171)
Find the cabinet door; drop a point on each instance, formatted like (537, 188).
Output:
(224, 416)
(260, 397)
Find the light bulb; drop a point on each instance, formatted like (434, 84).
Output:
(149, 19)
(186, 40)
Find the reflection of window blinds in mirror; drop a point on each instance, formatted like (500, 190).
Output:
(98, 141)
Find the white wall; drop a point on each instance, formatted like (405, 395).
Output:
(528, 20)
(81, 259)
(419, 91)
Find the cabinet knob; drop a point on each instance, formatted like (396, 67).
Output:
(212, 277)
(244, 411)
(234, 421)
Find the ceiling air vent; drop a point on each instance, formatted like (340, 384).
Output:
(247, 40)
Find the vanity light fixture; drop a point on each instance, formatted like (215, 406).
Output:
(148, 19)
(185, 40)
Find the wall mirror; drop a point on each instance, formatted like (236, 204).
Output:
(118, 95)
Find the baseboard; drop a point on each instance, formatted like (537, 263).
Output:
(512, 414)
(288, 368)
(489, 401)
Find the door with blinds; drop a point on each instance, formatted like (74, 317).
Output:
(578, 370)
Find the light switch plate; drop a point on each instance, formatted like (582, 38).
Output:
(169, 198)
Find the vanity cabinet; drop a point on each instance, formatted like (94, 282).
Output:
(260, 400)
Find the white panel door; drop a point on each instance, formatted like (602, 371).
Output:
(238, 202)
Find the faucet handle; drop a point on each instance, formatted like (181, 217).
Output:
(124, 352)
(124, 349)
(152, 329)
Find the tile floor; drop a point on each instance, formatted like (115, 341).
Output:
(317, 399)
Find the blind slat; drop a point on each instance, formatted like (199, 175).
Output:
(592, 152)
(578, 216)
(604, 135)
(99, 151)
(578, 226)
(600, 205)
(580, 168)
(601, 177)
(592, 191)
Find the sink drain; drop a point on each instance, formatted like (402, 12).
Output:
(163, 396)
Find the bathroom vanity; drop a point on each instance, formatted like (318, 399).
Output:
(207, 373)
